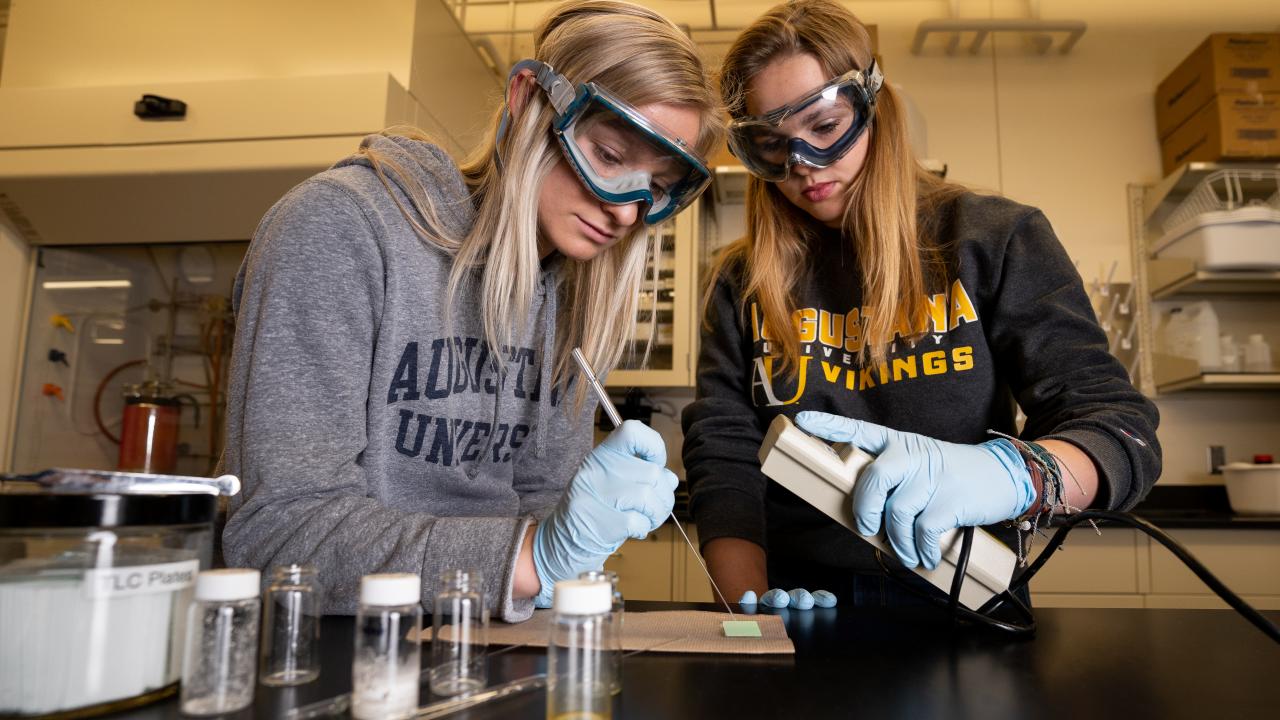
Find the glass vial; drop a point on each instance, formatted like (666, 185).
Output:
(459, 623)
(614, 641)
(218, 670)
(291, 610)
(387, 662)
(577, 669)
(1257, 354)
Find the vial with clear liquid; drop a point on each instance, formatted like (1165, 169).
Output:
(459, 622)
(577, 666)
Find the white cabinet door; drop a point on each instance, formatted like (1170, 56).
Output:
(644, 566)
(1248, 561)
(1091, 563)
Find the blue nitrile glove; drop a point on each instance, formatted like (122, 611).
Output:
(926, 486)
(799, 599)
(623, 490)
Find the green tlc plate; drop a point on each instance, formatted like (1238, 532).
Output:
(741, 628)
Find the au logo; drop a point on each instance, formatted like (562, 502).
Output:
(762, 377)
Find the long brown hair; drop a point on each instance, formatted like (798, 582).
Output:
(891, 210)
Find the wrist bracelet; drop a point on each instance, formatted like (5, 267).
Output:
(1042, 463)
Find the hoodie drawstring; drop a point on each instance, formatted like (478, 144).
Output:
(547, 362)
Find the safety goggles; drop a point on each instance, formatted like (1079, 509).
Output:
(620, 155)
(815, 131)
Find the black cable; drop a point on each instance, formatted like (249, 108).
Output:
(1180, 552)
(960, 613)
(962, 567)
(983, 615)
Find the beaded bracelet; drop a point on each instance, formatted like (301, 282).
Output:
(1042, 464)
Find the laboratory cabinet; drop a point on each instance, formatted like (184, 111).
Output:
(661, 567)
(644, 566)
(1124, 568)
(1248, 561)
(1116, 568)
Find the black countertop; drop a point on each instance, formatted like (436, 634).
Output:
(872, 663)
(1198, 506)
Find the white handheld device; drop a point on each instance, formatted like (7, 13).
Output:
(824, 476)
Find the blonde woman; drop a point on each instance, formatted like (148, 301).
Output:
(876, 304)
(401, 396)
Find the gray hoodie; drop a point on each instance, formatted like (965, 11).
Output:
(370, 437)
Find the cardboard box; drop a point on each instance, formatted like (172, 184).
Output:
(1231, 126)
(1223, 63)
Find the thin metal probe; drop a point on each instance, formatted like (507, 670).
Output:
(616, 419)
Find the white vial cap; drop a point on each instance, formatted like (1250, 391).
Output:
(228, 584)
(390, 589)
(583, 597)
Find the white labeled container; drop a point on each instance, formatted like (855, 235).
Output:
(1246, 238)
(1253, 488)
(94, 589)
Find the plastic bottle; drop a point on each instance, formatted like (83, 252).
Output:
(614, 641)
(387, 662)
(1178, 333)
(577, 670)
(1208, 348)
(1257, 354)
(291, 610)
(1230, 350)
(459, 621)
(1192, 332)
(219, 668)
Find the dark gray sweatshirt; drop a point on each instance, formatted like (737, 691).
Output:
(370, 436)
(1009, 322)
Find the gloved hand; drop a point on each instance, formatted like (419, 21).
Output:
(926, 487)
(800, 599)
(623, 490)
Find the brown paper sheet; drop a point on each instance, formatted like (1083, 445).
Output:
(685, 631)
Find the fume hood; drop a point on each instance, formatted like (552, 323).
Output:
(78, 167)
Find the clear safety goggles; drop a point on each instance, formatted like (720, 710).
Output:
(620, 155)
(815, 131)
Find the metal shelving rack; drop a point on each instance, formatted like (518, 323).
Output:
(1170, 279)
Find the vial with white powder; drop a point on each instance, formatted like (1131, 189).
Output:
(387, 662)
(220, 669)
